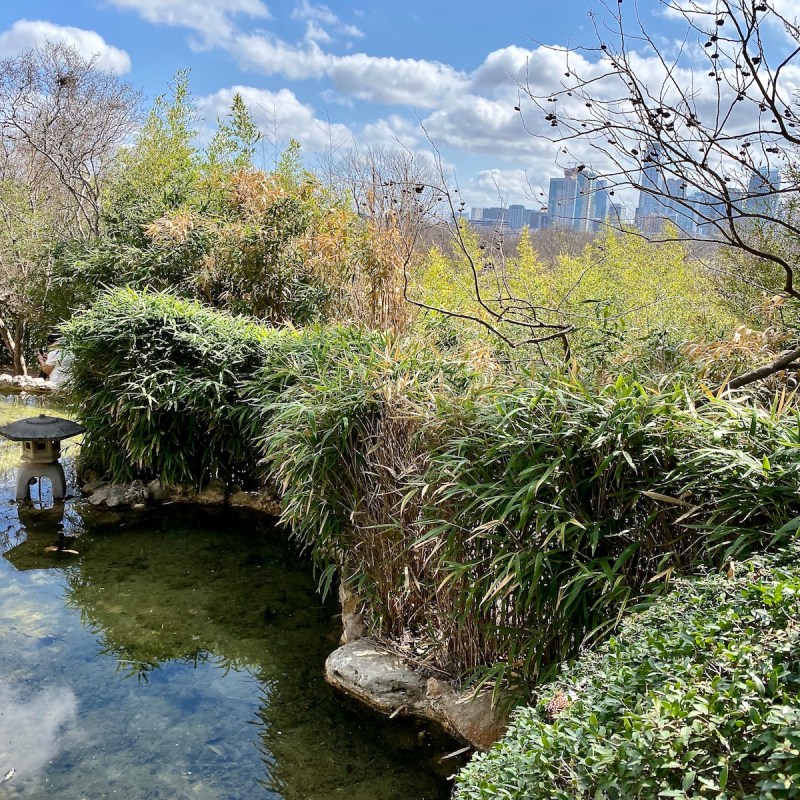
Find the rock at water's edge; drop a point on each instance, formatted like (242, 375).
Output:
(214, 493)
(384, 682)
(23, 383)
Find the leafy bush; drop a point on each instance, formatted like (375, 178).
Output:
(697, 697)
(632, 302)
(155, 380)
(338, 411)
(501, 525)
(551, 510)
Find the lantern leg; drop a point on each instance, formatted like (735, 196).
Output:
(28, 472)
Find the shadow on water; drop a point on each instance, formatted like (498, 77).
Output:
(179, 655)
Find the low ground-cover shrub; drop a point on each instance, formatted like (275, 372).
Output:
(697, 697)
(155, 380)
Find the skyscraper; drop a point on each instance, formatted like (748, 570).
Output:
(578, 200)
(762, 192)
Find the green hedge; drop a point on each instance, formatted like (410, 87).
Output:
(697, 697)
(155, 380)
(337, 411)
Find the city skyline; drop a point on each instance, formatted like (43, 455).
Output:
(581, 201)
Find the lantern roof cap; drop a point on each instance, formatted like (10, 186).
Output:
(42, 427)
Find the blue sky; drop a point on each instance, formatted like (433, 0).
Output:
(372, 73)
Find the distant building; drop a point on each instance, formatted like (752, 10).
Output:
(665, 200)
(763, 192)
(578, 201)
(514, 218)
(654, 207)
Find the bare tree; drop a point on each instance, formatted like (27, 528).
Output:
(713, 148)
(59, 109)
(61, 123)
(393, 192)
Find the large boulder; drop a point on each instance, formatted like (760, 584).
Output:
(382, 680)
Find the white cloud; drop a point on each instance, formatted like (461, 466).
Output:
(317, 34)
(32, 727)
(479, 124)
(280, 114)
(305, 11)
(352, 31)
(322, 15)
(271, 56)
(211, 19)
(392, 132)
(26, 34)
(396, 81)
(505, 67)
(406, 81)
(492, 187)
(330, 97)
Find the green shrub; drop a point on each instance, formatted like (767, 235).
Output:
(503, 524)
(155, 380)
(697, 697)
(337, 416)
(552, 509)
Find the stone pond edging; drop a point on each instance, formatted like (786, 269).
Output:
(138, 494)
(361, 668)
(378, 678)
(14, 384)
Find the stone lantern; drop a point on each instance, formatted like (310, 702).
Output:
(41, 439)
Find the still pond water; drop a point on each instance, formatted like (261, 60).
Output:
(178, 655)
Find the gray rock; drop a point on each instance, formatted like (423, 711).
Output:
(212, 494)
(92, 486)
(99, 494)
(258, 501)
(135, 494)
(471, 717)
(384, 682)
(155, 491)
(116, 496)
(110, 495)
(23, 383)
(376, 677)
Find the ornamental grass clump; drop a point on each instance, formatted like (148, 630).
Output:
(155, 380)
(552, 510)
(337, 416)
(697, 697)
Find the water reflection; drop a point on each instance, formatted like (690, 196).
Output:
(177, 656)
(40, 721)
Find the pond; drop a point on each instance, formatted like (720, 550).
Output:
(179, 654)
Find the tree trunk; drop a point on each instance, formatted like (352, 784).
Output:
(20, 367)
(8, 341)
